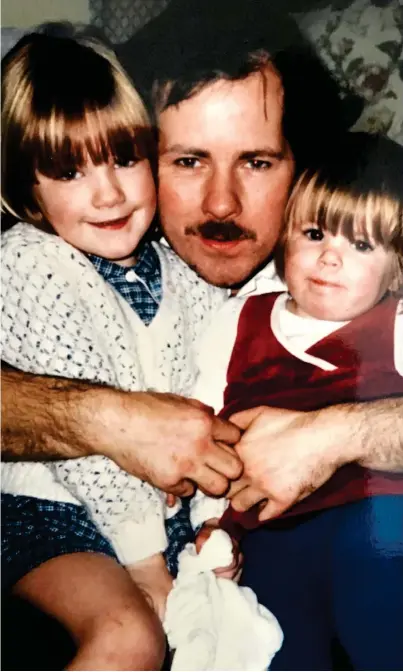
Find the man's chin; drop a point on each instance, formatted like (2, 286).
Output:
(229, 270)
(222, 275)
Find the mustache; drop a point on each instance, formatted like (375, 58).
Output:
(221, 231)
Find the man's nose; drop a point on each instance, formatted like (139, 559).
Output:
(222, 196)
(107, 192)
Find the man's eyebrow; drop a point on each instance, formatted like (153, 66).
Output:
(250, 154)
(262, 153)
(183, 149)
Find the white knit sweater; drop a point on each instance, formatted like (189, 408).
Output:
(60, 317)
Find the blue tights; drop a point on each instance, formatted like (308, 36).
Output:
(335, 576)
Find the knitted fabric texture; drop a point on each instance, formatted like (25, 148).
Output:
(59, 317)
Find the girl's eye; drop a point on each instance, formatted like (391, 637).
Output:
(362, 246)
(125, 163)
(313, 234)
(70, 175)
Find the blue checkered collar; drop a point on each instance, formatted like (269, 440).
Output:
(147, 265)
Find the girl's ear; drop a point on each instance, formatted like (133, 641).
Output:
(34, 213)
(396, 284)
(36, 218)
(42, 224)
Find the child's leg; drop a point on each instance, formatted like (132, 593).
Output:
(105, 612)
(284, 567)
(151, 575)
(367, 581)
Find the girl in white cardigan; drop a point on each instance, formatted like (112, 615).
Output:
(86, 296)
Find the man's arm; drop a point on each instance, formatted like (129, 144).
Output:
(167, 440)
(37, 417)
(289, 454)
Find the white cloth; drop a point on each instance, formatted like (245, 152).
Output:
(212, 623)
(60, 317)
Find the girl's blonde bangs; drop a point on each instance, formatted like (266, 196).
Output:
(372, 216)
(46, 130)
(60, 141)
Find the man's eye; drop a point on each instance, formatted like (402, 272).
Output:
(187, 162)
(313, 234)
(362, 246)
(259, 164)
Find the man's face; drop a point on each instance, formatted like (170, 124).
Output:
(224, 176)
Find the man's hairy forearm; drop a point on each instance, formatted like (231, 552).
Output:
(165, 439)
(372, 432)
(44, 417)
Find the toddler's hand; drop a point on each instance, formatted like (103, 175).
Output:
(234, 570)
(170, 500)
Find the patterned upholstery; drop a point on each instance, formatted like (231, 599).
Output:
(360, 41)
(121, 18)
(363, 46)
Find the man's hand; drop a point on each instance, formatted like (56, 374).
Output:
(233, 571)
(286, 456)
(167, 440)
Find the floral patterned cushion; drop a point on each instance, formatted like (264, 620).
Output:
(363, 46)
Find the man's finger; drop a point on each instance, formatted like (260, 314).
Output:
(275, 508)
(224, 460)
(199, 404)
(247, 498)
(272, 509)
(210, 481)
(245, 418)
(237, 486)
(225, 431)
(184, 488)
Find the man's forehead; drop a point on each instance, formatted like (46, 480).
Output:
(267, 82)
(251, 108)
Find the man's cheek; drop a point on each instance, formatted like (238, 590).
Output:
(170, 198)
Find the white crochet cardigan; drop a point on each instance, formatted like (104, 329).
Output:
(60, 317)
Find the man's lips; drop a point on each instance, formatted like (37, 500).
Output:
(221, 235)
(217, 244)
(112, 225)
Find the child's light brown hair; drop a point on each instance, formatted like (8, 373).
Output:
(64, 100)
(358, 193)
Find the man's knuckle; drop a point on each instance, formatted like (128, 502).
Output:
(185, 466)
(217, 486)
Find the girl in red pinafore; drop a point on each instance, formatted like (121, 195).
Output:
(334, 335)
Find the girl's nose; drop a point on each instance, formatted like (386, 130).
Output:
(330, 256)
(107, 189)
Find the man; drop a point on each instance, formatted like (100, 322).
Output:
(233, 123)
(84, 409)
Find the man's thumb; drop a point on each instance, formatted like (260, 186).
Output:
(272, 509)
(244, 419)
